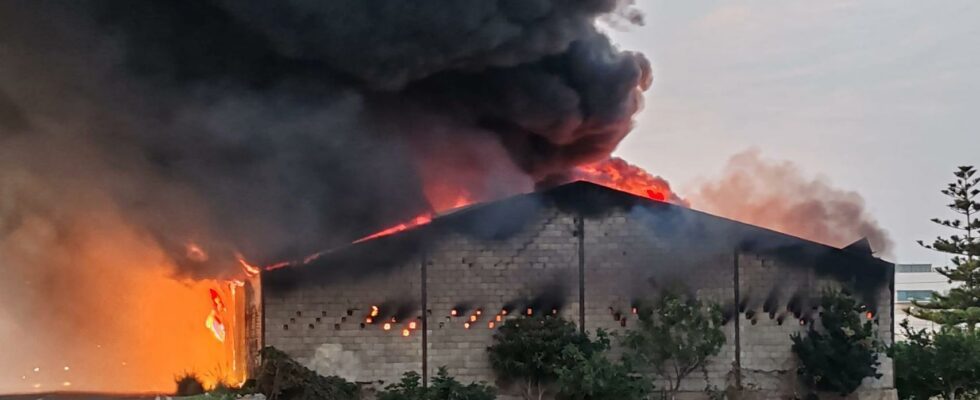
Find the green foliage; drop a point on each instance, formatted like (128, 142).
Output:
(962, 304)
(945, 363)
(189, 385)
(443, 387)
(843, 352)
(281, 378)
(595, 377)
(530, 350)
(675, 337)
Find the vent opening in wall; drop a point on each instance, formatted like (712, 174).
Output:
(285, 327)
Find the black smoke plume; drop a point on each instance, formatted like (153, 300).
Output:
(276, 129)
(139, 139)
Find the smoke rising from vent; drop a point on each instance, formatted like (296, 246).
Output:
(140, 141)
(779, 196)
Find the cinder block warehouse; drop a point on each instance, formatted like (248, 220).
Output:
(432, 296)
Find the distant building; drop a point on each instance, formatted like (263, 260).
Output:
(915, 282)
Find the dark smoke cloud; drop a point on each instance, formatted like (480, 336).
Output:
(129, 130)
(278, 129)
(779, 196)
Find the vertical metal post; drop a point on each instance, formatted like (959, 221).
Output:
(580, 232)
(738, 318)
(425, 321)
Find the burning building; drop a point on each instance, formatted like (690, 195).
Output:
(149, 148)
(432, 295)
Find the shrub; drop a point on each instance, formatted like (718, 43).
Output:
(282, 378)
(529, 350)
(944, 363)
(675, 337)
(843, 352)
(595, 377)
(443, 387)
(189, 385)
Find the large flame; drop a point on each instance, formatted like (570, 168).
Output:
(613, 172)
(618, 174)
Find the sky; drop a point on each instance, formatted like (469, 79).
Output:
(878, 97)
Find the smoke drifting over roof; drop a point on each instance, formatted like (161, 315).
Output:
(778, 196)
(278, 129)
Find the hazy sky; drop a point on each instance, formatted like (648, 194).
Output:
(878, 97)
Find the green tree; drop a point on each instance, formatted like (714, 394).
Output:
(443, 387)
(962, 304)
(530, 350)
(945, 363)
(844, 351)
(674, 338)
(595, 377)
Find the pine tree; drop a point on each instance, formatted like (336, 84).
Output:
(961, 306)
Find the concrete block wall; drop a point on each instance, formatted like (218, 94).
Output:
(536, 267)
(311, 321)
(793, 293)
(630, 262)
(627, 259)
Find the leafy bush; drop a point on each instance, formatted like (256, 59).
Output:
(189, 385)
(944, 363)
(843, 352)
(443, 387)
(530, 350)
(675, 337)
(282, 378)
(595, 377)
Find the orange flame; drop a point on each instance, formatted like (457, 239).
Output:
(219, 305)
(250, 270)
(621, 175)
(213, 323)
(418, 220)
(421, 219)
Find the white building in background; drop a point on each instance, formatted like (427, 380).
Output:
(915, 282)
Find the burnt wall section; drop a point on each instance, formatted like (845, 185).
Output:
(633, 256)
(483, 278)
(330, 325)
(779, 300)
(544, 253)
